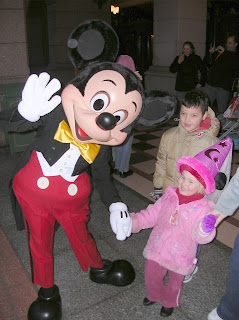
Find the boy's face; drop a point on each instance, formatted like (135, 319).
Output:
(191, 118)
(188, 184)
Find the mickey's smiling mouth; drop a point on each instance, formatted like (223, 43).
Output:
(81, 135)
(81, 132)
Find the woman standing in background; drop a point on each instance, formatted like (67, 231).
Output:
(191, 71)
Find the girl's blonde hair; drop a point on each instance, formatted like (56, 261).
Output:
(201, 189)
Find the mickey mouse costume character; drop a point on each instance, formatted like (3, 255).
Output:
(51, 181)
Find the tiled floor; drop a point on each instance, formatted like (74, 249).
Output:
(142, 162)
(16, 289)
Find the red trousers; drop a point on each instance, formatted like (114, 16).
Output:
(157, 290)
(45, 200)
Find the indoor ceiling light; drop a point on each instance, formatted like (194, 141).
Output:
(114, 9)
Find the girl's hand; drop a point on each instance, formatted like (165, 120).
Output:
(219, 216)
(208, 223)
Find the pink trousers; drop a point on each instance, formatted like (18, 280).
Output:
(156, 289)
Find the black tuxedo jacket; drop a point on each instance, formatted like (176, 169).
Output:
(52, 150)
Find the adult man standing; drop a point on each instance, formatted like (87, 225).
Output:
(223, 67)
(228, 308)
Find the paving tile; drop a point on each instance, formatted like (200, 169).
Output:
(138, 157)
(22, 296)
(13, 274)
(236, 214)
(6, 305)
(153, 152)
(80, 302)
(226, 233)
(155, 143)
(17, 291)
(146, 166)
(139, 184)
(142, 146)
(145, 137)
(159, 133)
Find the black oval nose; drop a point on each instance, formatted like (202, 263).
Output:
(106, 121)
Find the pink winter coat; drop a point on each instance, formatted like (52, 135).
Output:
(174, 246)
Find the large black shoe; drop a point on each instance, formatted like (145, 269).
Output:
(46, 306)
(166, 312)
(126, 174)
(119, 273)
(147, 302)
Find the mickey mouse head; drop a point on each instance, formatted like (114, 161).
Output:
(105, 99)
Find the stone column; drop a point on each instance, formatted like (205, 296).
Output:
(175, 21)
(13, 54)
(13, 43)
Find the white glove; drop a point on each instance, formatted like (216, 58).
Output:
(120, 220)
(35, 97)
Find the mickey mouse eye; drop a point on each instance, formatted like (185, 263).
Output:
(120, 116)
(99, 102)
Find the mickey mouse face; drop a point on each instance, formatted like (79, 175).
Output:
(105, 106)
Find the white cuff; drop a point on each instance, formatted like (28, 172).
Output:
(201, 232)
(117, 206)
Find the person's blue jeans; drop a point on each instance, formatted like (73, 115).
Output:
(229, 305)
(220, 95)
(123, 153)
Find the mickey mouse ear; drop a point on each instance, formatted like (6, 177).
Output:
(220, 180)
(159, 107)
(92, 41)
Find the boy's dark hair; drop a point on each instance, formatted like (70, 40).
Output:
(196, 98)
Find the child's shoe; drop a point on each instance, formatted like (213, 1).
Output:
(166, 312)
(190, 276)
(147, 302)
(213, 315)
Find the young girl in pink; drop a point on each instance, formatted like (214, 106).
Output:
(180, 222)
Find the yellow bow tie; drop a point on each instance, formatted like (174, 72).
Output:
(88, 151)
